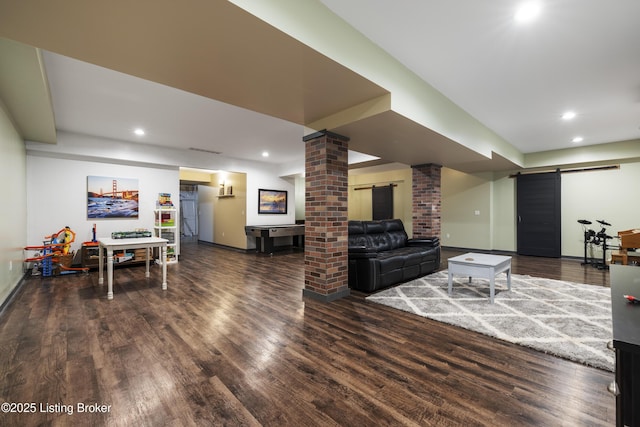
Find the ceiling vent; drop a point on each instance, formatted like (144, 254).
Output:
(204, 150)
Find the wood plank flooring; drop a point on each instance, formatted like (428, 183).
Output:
(232, 342)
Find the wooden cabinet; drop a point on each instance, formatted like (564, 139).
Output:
(90, 256)
(625, 280)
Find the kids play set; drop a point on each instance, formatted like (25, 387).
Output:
(54, 256)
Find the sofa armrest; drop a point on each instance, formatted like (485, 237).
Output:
(424, 241)
(362, 252)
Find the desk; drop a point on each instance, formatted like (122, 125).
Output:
(109, 244)
(480, 265)
(625, 280)
(624, 257)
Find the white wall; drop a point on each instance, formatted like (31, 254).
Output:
(266, 178)
(503, 208)
(13, 208)
(57, 196)
(131, 159)
(466, 210)
(609, 195)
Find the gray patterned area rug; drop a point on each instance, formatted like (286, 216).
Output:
(568, 320)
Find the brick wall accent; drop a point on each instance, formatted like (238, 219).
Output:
(326, 232)
(427, 199)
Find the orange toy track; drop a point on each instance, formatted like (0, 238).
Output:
(56, 250)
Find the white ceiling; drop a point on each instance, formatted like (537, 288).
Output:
(518, 79)
(92, 100)
(580, 55)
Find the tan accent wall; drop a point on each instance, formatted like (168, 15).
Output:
(229, 209)
(360, 200)
(195, 176)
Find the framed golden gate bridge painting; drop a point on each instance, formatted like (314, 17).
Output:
(109, 197)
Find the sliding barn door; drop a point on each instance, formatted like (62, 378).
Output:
(538, 210)
(382, 202)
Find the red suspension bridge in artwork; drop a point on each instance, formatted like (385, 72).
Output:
(119, 194)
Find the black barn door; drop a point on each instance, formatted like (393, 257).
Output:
(382, 202)
(538, 210)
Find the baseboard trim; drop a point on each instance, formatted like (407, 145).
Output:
(218, 245)
(9, 300)
(492, 251)
(306, 293)
(502, 252)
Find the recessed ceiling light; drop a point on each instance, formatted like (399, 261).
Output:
(139, 131)
(577, 139)
(527, 11)
(265, 154)
(568, 115)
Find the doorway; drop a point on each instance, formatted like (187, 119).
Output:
(188, 213)
(206, 197)
(538, 214)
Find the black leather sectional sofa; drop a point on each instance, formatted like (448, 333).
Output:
(381, 255)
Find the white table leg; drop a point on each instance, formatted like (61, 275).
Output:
(492, 286)
(109, 273)
(450, 282)
(100, 264)
(509, 278)
(164, 266)
(146, 274)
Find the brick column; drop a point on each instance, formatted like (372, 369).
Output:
(426, 200)
(325, 245)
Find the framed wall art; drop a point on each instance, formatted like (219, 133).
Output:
(272, 201)
(109, 197)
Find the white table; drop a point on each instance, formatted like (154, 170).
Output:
(480, 265)
(109, 244)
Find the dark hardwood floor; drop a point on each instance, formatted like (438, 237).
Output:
(232, 342)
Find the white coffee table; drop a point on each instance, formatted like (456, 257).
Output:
(480, 265)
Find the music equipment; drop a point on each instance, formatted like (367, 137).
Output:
(593, 238)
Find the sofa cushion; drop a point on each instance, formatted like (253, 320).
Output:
(414, 258)
(393, 225)
(377, 239)
(355, 227)
(389, 260)
(404, 258)
(395, 230)
(379, 242)
(357, 238)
